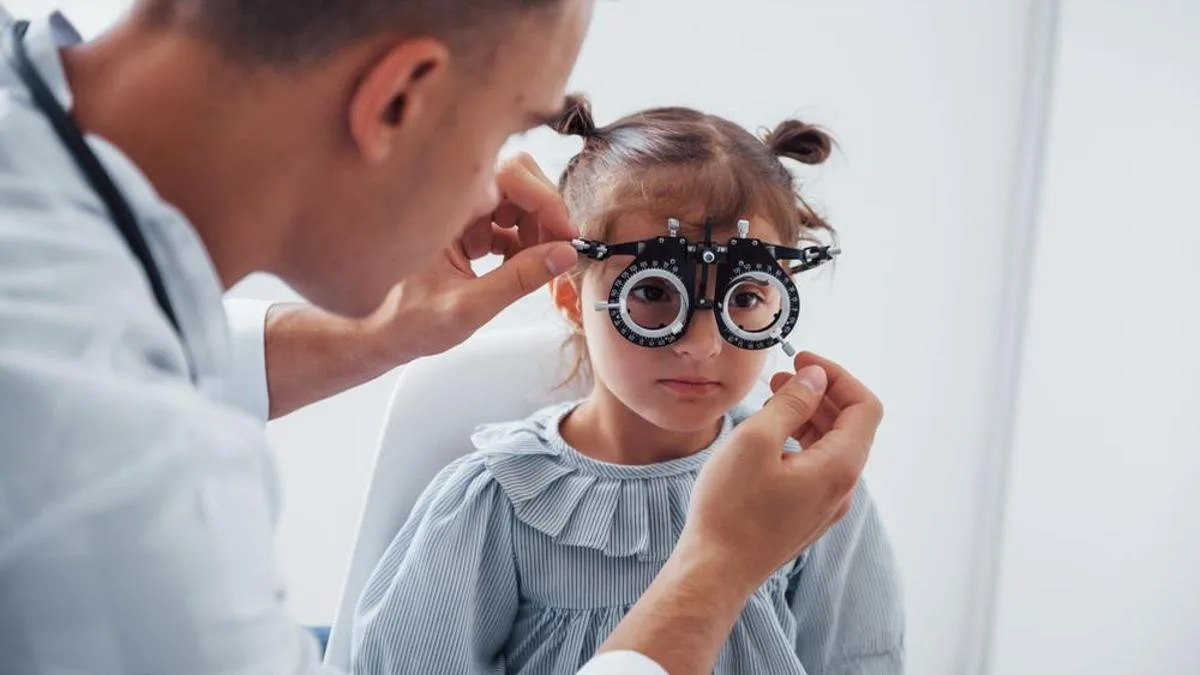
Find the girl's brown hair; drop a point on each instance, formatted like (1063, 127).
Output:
(678, 162)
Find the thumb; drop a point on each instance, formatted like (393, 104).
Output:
(522, 274)
(794, 403)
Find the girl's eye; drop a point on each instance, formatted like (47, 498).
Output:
(748, 300)
(649, 293)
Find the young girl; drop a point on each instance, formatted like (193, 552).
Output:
(522, 557)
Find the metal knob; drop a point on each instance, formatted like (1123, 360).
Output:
(743, 229)
(777, 334)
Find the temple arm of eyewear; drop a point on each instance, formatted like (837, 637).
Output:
(598, 250)
(810, 257)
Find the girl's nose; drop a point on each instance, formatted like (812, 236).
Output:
(702, 340)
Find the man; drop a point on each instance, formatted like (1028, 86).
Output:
(345, 147)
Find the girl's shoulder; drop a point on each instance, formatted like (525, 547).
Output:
(506, 458)
(525, 457)
(536, 434)
(511, 464)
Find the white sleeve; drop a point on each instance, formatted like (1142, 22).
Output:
(622, 663)
(247, 388)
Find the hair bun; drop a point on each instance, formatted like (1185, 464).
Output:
(576, 118)
(799, 141)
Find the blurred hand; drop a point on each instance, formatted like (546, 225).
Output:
(756, 507)
(440, 307)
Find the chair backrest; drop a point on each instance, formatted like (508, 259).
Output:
(494, 377)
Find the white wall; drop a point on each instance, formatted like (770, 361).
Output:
(1100, 572)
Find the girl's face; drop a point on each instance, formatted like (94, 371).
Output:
(684, 386)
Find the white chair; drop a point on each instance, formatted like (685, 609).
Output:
(495, 377)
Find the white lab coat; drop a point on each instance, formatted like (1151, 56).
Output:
(137, 505)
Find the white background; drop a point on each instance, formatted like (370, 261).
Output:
(1101, 566)
(1098, 551)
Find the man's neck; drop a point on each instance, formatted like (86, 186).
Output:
(186, 119)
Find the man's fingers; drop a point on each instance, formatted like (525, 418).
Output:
(529, 231)
(809, 434)
(845, 392)
(793, 404)
(507, 214)
(778, 380)
(525, 224)
(859, 421)
(486, 237)
(505, 242)
(841, 454)
(832, 474)
(844, 388)
(534, 170)
(835, 458)
(522, 183)
(841, 429)
(477, 239)
(821, 424)
(822, 420)
(523, 273)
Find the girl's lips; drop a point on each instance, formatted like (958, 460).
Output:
(688, 387)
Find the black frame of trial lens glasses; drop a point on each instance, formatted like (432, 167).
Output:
(673, 259)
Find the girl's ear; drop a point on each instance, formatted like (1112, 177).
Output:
(567, 299)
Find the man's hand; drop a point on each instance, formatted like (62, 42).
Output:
(443, 305)
(312, 354)
(754, 508)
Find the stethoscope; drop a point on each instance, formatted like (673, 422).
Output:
(72, 139)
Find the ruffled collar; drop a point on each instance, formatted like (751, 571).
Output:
(620, 510)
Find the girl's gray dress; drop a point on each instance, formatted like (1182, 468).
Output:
(523, 556)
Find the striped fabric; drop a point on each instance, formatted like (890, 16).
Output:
(522, 557)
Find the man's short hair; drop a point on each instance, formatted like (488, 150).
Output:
(293, 31)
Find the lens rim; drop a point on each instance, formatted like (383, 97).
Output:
(785, 306)
(756, 260)
(672, 329)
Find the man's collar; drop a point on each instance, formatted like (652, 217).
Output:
(43, 40)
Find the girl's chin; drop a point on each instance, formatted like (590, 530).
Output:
(684, 415)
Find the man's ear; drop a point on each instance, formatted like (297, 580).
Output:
(567, 298)
(397, 89)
